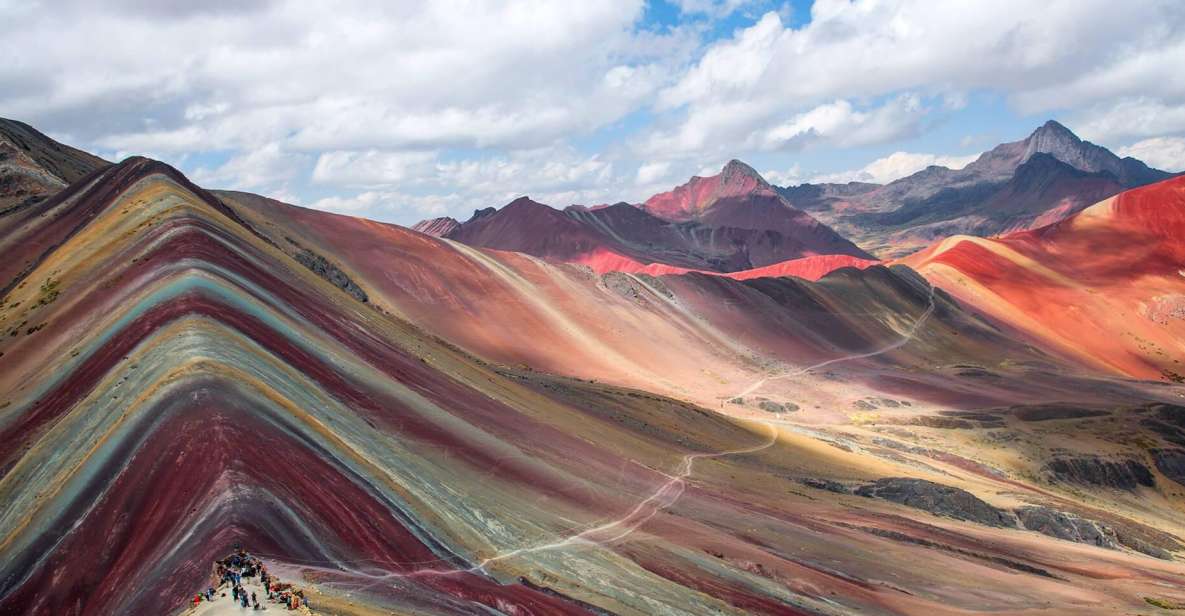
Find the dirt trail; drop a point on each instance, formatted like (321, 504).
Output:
(664, 496)
(909, 334)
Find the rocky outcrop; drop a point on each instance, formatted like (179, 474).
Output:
(1131, 541)
(1167, 420)
(1170, 463)
(942, 423)
(767, 405)
(323, 268)
(1054, 410)
(623, 285)
(1066, 526)
(828, 485)
(952, 502)
(656, 284)
(938, 499)
(1166, 430)
(1112, 535)
(777, 408)
(1171, 413)
(1122, 474)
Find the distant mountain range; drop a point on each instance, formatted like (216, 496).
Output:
(1019, 185)
(736, 221)
(730, 222)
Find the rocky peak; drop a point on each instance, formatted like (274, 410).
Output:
(1061, 143)
(690, 200)
(1053, 131)
(736, 179)
(482, 213)
(522, 202)
(1057, 140)
(1052, 138)
(526, 205)
(438, 227)
(737, 172)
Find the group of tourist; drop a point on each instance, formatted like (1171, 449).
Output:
(284, 594)
(231, 571)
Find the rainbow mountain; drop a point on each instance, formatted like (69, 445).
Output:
(408, 424)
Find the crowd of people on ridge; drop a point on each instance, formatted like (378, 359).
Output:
(230, 572)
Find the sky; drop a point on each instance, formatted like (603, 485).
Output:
(401, 111)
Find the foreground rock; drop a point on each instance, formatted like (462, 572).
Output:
(1066, 526)
(938, 499)
(323, 268)
(1171, 463)
(1124, 474)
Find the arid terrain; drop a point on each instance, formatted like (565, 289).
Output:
(538, 414)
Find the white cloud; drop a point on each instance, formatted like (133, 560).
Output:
(779, 83)
(840, 124)
(1130, 118)
(370, 168)
(789, 177)
(351, 75)
(376, 93)
(652, 172)
(384, 204)
(726, 128)
(419, 183)
(267, 167)
(544, 171)
(1166, 153)
(900, 164)
(728, 67)
(201, 111)
(880, 171)
(1132, 64)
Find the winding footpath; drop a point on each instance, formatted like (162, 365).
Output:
(668, 493)
(906, 338)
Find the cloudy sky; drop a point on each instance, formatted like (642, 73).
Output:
(405, 110)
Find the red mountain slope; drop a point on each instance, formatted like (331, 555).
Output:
(807, 268)
(1105, 287)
